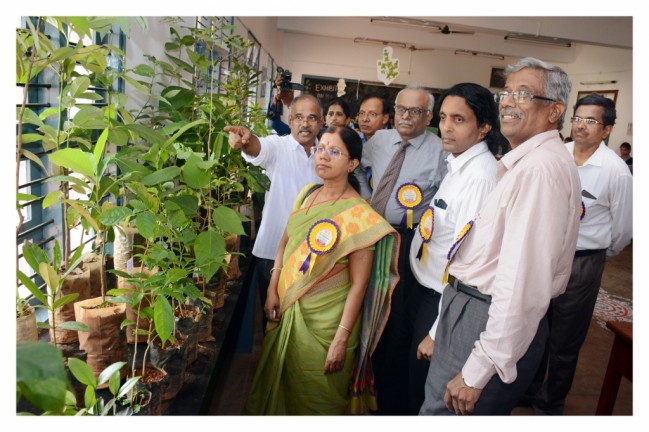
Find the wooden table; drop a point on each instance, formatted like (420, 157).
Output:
(620, 364)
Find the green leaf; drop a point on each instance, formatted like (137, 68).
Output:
(40, 375)
(114, 215)
(34, 255)
(109, 371)
(84, 213)
(82, 372)
(163, 319)
(209, 250)
(75, 160)
(144, 70)
(127, 386)
(228, 220)
(161, 176)
(194, 176)
(187, 203)
(145, 223)
(73, 325)
(31, 286)
(98, 153)
(90, 117)
(51, 198)
(49, 275)
(32, 157)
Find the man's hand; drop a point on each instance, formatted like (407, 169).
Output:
(425, 348)
(459, 398)
(239, 136)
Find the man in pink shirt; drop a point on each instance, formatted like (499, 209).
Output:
(512, 259)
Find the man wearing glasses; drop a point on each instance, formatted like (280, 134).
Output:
(605, 229)
(289, 164)
(512, 259)
(373, 115)
(408, 164)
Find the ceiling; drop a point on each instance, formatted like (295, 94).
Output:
(484, 34)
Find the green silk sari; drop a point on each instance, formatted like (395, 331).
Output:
(290, 378)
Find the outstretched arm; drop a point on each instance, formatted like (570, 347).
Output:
(241, 138)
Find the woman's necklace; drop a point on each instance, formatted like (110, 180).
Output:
(315, 196)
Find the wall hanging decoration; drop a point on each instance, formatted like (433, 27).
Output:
(387, 68)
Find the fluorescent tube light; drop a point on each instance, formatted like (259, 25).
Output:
(480, 54)
(542, 40)
(368, 41)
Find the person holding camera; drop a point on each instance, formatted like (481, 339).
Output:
(283, 97)
(289, 164)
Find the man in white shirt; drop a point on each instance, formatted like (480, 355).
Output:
(605, 229)
(401, 202)
(511, 259)
(289, 164)
(468, 122)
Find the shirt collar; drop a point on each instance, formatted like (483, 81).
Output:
(416, 142)
(455, 164)
(596, 159)
(512, 157)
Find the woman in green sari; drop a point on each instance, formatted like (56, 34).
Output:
(329, 294)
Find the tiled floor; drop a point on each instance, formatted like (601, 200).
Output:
(583, 396)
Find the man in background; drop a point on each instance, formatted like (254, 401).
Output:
(605, 229)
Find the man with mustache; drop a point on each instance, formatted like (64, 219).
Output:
(402, 201)
(605, 229)
(289, 164)
(512, 259)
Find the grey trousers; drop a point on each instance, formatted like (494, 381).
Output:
(462, 319)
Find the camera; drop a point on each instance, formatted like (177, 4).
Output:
(286, 85)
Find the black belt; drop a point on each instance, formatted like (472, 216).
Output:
(587, 252)
(468, 289)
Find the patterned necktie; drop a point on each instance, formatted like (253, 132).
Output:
(385, 186)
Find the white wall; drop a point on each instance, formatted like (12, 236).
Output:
(341, 58)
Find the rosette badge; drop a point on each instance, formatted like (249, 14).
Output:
(458, 241)
(426, 226)
(321, 239)
(409, 196)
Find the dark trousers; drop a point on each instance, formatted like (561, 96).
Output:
(421, 312)
(462, 320)
(262, 276)
(569, 318)
(394, 361)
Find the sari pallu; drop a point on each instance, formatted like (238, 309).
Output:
(290, 378)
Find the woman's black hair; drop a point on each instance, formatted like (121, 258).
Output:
(481, 102)
(354, 146)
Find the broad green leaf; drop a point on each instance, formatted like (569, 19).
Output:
(114, 215)
(144, 70)
(40, 375)
(187, 203)
(23, 197)
(228, 220)
(145, 223)
(82, 372)
(84, 213)
(163, 318)
(90, 117)
(75, 160)
(161, 176)
(51, 198)
(194, 176)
